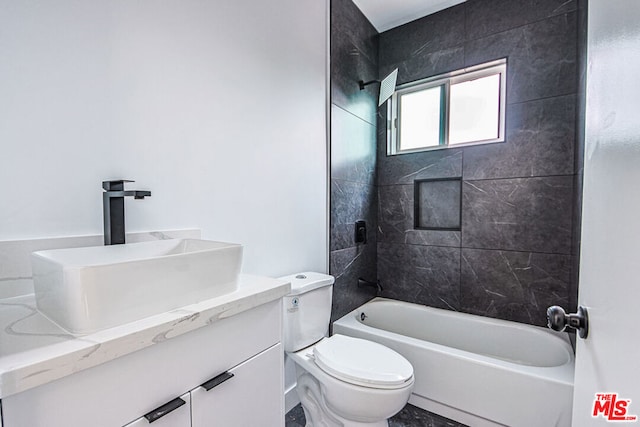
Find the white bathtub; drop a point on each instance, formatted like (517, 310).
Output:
(473, 369)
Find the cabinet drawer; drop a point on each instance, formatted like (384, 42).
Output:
(254, 396)
(178, 417)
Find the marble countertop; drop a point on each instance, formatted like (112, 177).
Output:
(34, 351)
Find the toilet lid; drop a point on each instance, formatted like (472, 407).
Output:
(362, 362)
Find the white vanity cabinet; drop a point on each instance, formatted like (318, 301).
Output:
(122, 391)
(247, 395)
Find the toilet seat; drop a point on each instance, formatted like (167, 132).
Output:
(362, 362)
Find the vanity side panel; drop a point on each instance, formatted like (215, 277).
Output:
(120, 391)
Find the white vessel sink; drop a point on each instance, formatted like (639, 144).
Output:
(84, 290)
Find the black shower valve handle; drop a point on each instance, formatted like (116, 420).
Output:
(361, 232)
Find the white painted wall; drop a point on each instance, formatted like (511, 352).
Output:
(218, 107)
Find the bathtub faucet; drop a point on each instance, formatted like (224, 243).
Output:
(365, 283)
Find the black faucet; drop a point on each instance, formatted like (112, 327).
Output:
(113, 209)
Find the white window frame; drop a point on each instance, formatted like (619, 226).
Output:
(445, 80)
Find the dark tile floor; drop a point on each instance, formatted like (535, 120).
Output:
(410, 416)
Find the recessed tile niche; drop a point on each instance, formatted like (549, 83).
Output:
(437, 204)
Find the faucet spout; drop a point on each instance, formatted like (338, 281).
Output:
(113, 209)
(138, 195)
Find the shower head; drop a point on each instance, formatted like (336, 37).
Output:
(387, 86)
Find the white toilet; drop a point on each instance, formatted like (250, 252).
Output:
(341, 380)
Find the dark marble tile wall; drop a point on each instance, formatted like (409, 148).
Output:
(519, 214)
(513, 285)
(354, 57)
(419, 273)
(516, 251)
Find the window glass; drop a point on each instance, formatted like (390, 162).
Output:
(474, 111)
(420, 118)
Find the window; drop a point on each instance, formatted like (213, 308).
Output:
(458, 108)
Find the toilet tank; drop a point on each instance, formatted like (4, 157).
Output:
(307, 309)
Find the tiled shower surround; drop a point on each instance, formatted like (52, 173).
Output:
(354, 56)
(519, 218)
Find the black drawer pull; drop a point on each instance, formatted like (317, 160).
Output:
(216, 381)
(163, 410)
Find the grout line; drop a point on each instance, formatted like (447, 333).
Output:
(562, 95)
(354, 182)
(461, 220)
(518, 177)
(355, 115)
(513, 250)
(472, 248)
(483, 179)
(519, 26)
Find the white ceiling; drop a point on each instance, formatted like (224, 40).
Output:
(387, 14)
